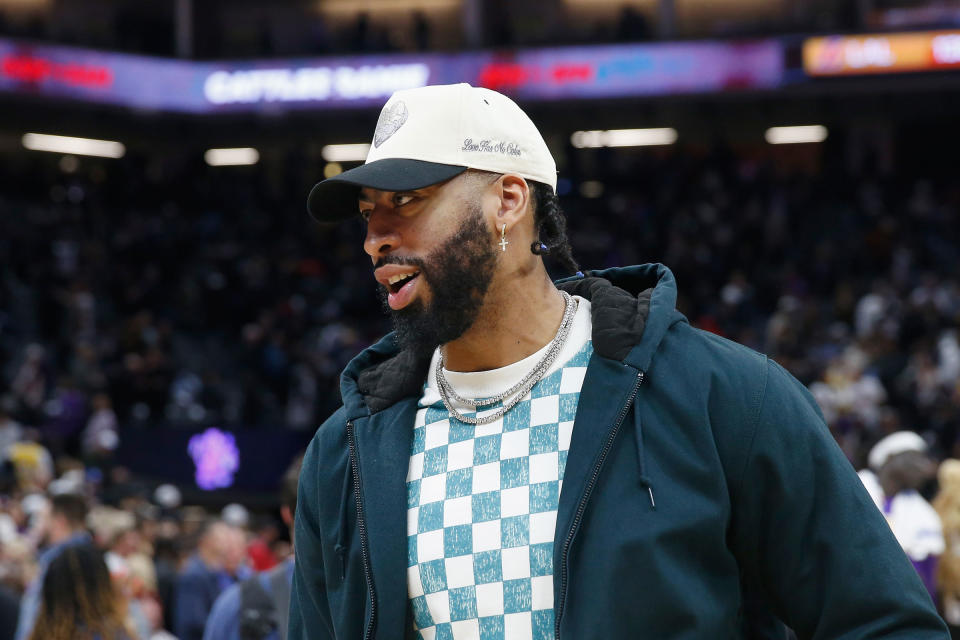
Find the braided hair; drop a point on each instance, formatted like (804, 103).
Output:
(551, 227)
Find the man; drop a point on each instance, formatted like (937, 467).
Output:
(66, 526)
(256, 609)
(520, 459)
(201, 580)
(898, 468)
(234, 554)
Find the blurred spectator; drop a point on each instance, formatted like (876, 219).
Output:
(100, 436)
(71, 479)
(947, 504)
(17, 566)
(65, 528)
(234, 549)
(260, 550)
(899, 466)
(256, 609)
(131, 569)
(850, 398)
(31, 461)
(66, 412)
(421, 31)
(31, 381)
(11, 431)
(166, 559)
(204, 576)
(79, 600)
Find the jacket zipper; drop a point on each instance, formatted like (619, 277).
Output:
(362, 528)
(586, 497)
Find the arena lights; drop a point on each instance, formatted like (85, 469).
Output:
(345, 152)
(623, 138)
(231, 157)
(75, 146)
(796, 135)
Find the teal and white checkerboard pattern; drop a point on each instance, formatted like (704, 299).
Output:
(481, 513)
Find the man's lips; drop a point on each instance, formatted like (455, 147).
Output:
(399, 281)
(402, 293)
(389, 275)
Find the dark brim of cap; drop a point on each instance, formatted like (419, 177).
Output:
(335, 198)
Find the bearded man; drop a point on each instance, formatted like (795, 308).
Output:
(527, 459)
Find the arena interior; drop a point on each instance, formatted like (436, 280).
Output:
(173, 324)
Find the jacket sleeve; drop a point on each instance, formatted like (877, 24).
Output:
(224, 620)
(192, 605)
(808, 535)
(309, 609)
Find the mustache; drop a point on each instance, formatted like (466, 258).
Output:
(420, 263)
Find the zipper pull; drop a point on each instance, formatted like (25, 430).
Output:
(342, 554)
(644, 480)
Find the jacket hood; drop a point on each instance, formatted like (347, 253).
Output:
(631, 310)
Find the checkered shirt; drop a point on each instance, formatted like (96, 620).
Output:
(481, 513)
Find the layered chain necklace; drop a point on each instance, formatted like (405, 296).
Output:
(517, 391)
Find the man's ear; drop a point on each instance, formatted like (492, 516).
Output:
(286, 514)
(514, 194)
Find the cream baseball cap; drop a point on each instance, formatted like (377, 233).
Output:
(431, 134)
(893, 444)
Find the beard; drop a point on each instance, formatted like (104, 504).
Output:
(459, 272)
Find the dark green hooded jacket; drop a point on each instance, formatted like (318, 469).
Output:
(703, 497)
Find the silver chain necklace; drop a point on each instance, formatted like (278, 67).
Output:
(517, 391)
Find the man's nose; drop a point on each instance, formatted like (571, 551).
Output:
(382, 236)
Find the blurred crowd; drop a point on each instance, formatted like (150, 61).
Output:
(93, 557)
(165, 292)
(845, 276)
(127, 301)
(157, 293)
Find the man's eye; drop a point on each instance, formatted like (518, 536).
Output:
(401, 199)
(365, 214)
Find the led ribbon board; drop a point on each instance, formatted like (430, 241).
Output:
(366, 81)
(882, 53)
(632, 70)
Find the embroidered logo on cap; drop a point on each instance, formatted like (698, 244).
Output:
(492, 146)
(391, 119)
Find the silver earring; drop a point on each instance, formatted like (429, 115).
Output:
(503, 238)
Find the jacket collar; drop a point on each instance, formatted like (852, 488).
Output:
(631, 309)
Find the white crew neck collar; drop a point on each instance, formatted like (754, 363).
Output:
(485, 384)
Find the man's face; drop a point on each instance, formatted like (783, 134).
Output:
(434, 258)
(58, 529)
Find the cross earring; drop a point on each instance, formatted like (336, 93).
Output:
(503, 238)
